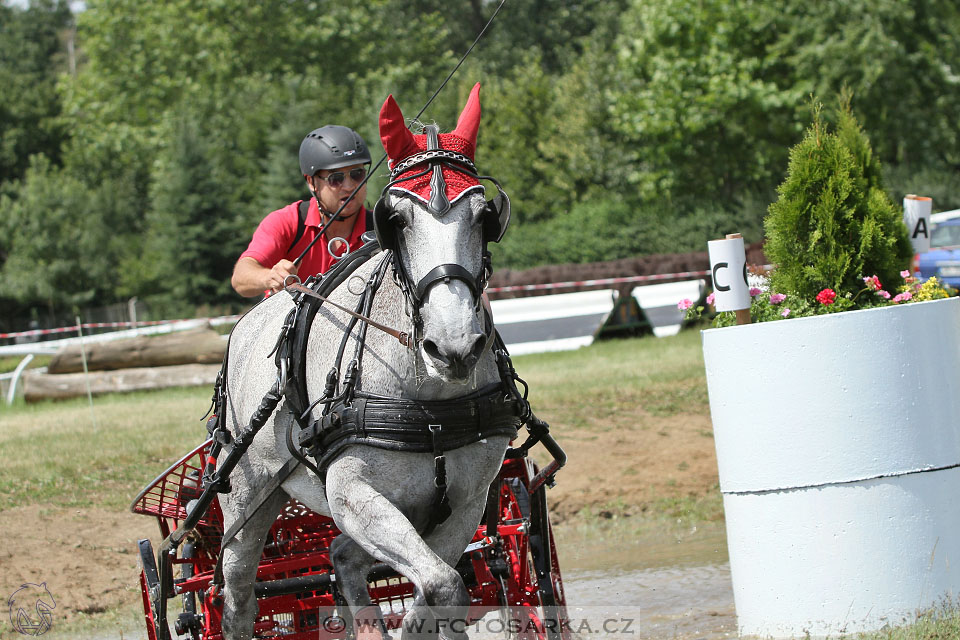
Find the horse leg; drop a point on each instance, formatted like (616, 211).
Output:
(448, 541)
(359, 510)
(351, 565)
(241, 557)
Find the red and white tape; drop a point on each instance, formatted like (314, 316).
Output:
(102, 325)
(599, 281)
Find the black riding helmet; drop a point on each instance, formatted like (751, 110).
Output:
(332, 147)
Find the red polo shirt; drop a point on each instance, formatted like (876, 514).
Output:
(275, 233)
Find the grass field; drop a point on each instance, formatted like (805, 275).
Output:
(67, 454)
(609, 401)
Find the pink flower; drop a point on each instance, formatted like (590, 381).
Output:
(903, 297)
(710, 298)
(904, 274)
(785, 313)
(827, 296)
(777, 298)
(754, 292)
(884, 294)
(684, 304)
(873, 282)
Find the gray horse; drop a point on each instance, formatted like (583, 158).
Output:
(381, 500)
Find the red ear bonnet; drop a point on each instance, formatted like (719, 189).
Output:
(400, 144)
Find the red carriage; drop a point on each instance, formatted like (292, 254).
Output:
(510, 568)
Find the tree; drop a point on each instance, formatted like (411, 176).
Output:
(698, 116)
(46, 240)
(32, 54)
(898, 57)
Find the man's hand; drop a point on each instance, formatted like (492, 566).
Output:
(276, 276)
(250, 278)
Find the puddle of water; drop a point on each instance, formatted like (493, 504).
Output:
(621, 547)
(648, 585)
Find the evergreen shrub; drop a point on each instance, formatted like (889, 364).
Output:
(833, 224)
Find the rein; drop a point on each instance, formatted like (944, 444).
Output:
(402, 336)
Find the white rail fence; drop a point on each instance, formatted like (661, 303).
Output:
(550, 322)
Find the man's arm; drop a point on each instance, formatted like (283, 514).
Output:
(250, 278)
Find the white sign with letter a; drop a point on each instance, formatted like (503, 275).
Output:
(728, 265)
(916, 215)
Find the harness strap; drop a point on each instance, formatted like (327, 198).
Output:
(265, 493)
(308, 307)
(402, 425)
(441, 503)
(302, 211)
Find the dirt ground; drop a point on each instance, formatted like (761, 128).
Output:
(88, 559)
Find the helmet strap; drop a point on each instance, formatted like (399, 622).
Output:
(327, 216)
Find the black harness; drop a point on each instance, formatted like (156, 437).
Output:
(350, 416)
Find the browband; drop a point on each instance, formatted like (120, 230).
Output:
(432, 154)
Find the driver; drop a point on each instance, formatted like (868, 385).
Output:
(333, 160)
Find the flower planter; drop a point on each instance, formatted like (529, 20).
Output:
(838, 445)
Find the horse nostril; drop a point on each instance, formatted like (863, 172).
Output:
(431, 349)
(478, 346)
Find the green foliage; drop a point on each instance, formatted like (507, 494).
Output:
(43, 225)
(618, 127)
(31, 56)
(694, 103)
(833, 224)
(897, 57)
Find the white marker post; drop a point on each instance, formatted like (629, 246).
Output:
(728, 266)
(916, 215)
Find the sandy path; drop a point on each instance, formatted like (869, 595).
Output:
(617, 466)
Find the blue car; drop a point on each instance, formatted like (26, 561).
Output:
(943, 259)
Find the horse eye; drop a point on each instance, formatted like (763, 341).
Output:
(398, 220)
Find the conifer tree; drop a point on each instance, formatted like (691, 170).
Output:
(833, 224)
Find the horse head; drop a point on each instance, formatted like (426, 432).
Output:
(433, 215)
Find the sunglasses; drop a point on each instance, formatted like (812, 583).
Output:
(337, 178)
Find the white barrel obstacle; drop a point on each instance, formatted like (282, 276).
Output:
(838, 445)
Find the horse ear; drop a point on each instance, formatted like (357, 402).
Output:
(397, 139)
(469, 122)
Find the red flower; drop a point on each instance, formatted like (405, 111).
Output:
(873, 282)
(827, 296)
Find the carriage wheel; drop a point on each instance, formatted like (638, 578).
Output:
(188, 621)
(544, 552)
(534, 604)
(149, 586)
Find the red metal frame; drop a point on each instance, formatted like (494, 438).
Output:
(299, 543)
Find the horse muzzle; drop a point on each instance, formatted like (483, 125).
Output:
(455, 359)
(454, 332)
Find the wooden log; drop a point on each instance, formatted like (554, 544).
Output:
(196, 346)
(40, 386)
